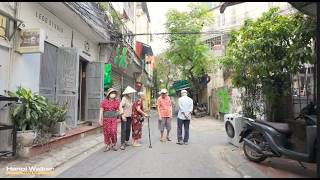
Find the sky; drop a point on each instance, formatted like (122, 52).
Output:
(157, 12)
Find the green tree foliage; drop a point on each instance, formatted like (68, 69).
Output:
(166, 71)
(265, 52)
(187, 51)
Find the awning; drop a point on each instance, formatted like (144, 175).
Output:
(179, 85)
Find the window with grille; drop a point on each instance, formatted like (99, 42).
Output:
(213, 41)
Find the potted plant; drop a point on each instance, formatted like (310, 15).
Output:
(58, 116)
(26, 115)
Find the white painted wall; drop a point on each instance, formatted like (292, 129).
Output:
(26, 72)
(8, 7)
(4, 68)
(5, 48)
(28, 13)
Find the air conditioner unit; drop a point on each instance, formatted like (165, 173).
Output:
(233, 124)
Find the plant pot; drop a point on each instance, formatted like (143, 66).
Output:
(26, 138)
(59, 129)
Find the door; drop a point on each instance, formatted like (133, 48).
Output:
(67, 82)
(94, 90)
(82, 90)
(48, 71)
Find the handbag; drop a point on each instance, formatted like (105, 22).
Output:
(141, 119)
(110, 114)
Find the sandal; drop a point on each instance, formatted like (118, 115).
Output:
(106, 149)
(114, 148)
(137, 145)
(122, 147)
(127, 143)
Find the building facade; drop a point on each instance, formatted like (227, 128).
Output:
(232, 18)
(59, 50)
(136, 19)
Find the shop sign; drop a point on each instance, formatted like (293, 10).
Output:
(31, 41)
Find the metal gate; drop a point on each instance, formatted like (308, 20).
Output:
(67, 82)
(48, 71)
(116, 81)
(59, 78)
(127, 81)
(94, 90)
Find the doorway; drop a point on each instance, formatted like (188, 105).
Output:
(82, 90)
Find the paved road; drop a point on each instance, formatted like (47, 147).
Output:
(201, 158)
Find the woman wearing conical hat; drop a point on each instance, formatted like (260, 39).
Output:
(109, 113)
(126, 112)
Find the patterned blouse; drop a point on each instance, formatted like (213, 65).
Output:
(110, 105)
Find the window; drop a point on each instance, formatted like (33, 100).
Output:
(4, 27)
(213, 41)
(222, 19)
(233, 16)
(7, 25)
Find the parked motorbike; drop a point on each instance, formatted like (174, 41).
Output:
(269, 139)
(200, 110)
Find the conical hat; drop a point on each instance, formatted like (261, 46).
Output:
(129, 90)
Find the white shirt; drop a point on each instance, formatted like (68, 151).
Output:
(186, 106)
(126, 107)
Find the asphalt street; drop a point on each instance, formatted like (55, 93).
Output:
(200, 158)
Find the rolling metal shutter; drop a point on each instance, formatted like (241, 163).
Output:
(116, 81)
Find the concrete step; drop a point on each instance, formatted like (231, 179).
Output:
(57, 142)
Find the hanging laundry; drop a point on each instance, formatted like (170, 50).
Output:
(151, 61)
(139, 47)
(117, 57)
(123, 58)
(107, 80)
(146, 51)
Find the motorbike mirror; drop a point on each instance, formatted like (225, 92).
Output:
(249, 119)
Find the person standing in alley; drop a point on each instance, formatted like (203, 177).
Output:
(138, 116)
(164, 106)
(126, 112)
(108, 116)
(184, 116)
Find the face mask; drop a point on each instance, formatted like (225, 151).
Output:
(112, 96)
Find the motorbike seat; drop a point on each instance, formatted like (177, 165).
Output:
(280, 127)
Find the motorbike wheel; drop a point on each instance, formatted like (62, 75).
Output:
(251, 154)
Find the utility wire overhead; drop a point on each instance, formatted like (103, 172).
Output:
(166, 33)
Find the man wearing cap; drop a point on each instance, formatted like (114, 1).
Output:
(184, 117)
(164, 106)
(126, 112)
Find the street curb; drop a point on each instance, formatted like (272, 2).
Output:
(78, 154)
(241, 165)
(56, 163)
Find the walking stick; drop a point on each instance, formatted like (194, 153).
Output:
(150, 146)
